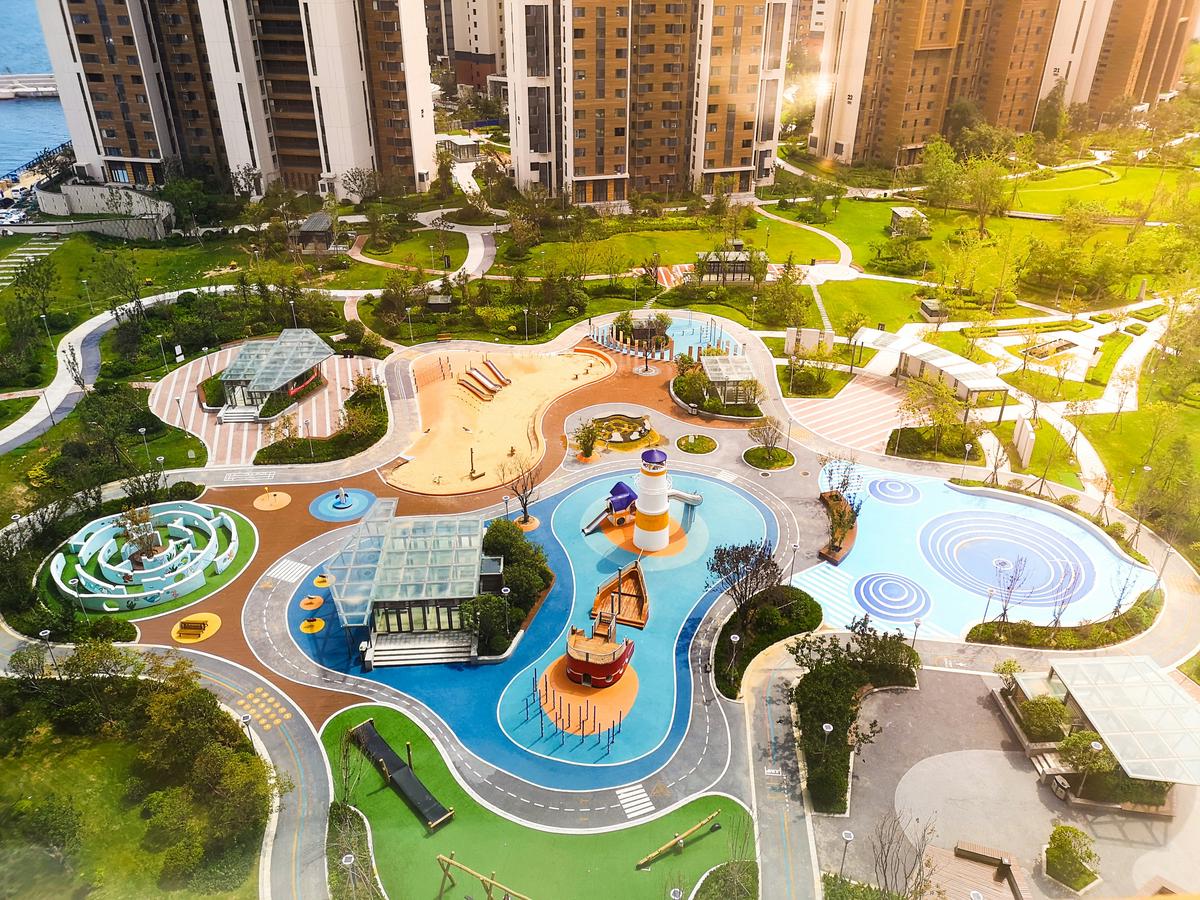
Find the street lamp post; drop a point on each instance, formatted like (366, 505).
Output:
(733, 640)
(88, 293)
(431, 263)
(163, 351)
(46, 325)
(506, 499)
(49, 408)
(1095, 747)
(966, 453)
(525, 311)
(308, 429)
(292, 304)
(988, 605)
(828, 729)
(348, 862)
(410, 331)
(916, 628)
(162, 463)
(753, 309)
(207, 360)
(246, 717)
(847, 837)
(179, 406)
(792, 570)
(74, 583)
(44, 634)
(145, 445)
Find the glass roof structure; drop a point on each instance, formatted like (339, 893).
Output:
(268, 365)
(408, 558)
(1151, 725)
(727, 368)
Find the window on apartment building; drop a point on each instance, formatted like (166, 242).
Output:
(580, 152)
(579, 12)
(621, 73)
(123, 21)
(718, 30)
(622, 32)
(622, 52)
(620, 93)
(148, 135)
(104, 114)
(580, 54)
(145, 117)
(581, 74)
(710, 145)
(80, 18)
(580, 134)
(580, 95)
(618, 132)
(718, 10)
(89, 57)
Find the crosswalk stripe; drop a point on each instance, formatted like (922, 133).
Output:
(287, 570)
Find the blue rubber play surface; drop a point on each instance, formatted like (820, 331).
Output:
(485, 704)
(344, 506)
(927, 550)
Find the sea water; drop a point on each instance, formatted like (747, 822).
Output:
(26, 126)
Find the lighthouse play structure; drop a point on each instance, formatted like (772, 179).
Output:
(648, 506)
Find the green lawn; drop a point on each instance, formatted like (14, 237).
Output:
(956, 343)
(10, 242)
(836, 379)
(11, 410)
(1112, 346)
(114, 857)
(1047, 442)
(246, 546)
(172, 444)
(841, 352)
(888, 302)
(1096, 185)
(1191, 668)
(760, 458)
(1047, 389)
(538, 863)
(414, 250)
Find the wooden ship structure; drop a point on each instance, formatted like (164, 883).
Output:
(600, 659)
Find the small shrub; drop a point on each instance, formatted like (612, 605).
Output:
(184, 490)
(829, 781)
(525, 582)
(1043, 717)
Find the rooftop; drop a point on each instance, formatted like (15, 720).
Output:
(972, 375)
(268, 365)
(907, 212)
(727, 368)
(317, 222)
(1151, 725)
(405, 558)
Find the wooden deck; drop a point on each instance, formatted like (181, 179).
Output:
(957, 876)
(594, 649)
(626, 593)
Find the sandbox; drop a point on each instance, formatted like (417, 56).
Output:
(467, 406)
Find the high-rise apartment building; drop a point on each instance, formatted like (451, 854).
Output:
(296, 90)
(892, 70)
(606, 99)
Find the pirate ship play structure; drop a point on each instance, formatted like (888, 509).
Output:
(600, 659)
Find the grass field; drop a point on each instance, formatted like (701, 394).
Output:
(414, 250)
(888, 302)
(11, 410)
(1048, 442)
(115, 855)
(1191, 668)
(836, 379)
(1047, 389)
(173, 444)
(538, 863)
(1096, 185)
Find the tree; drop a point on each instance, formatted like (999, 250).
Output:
(362, 182)
(1126, 381)
(245, 180)
(1069, 848)
(585, 435)
(35, 283)
(28, 663)
(1008, 670)
(767, 435)
(1009, 580)
(742, 572)
(139, 530)
(942, 174)
(520, 474)
(189, 200)
(488, 618)
(237, 788)
(1044, 717)
(52, 822)
(1084, 752)
(985, 191)
(903, 866)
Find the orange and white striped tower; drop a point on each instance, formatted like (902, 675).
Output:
(652, 526)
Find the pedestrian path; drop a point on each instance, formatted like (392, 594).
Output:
(834, 588)
(861, 416)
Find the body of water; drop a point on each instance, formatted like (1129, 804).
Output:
(26, 126)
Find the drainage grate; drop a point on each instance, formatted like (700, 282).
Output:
(764, 474)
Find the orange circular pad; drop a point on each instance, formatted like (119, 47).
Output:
(272, 500)
(312, 626)
(312, 602)
(622, 536)
(604, 706)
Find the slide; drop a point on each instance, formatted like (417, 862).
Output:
(402, 779)
(686, 498)
(474, 389)
(484, 380)
(500, 376)
(596, 522)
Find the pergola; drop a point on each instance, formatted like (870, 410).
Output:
(918, 358)
(263, 367)
(728, 375)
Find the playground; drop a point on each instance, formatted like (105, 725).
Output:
(480, 415)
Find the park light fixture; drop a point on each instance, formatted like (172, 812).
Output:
(967, 447)
(828, 729)
(847, 837)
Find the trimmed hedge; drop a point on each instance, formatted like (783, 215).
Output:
(213, 390)
(1150, 313)
(988, 331)
(1133, 621)
(281, 400)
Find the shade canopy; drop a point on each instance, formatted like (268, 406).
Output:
(721, 369)
(1148, 722)
(974, 377)
(265, 366)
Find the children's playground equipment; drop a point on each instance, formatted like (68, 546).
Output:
(500, 376)
(678, 840)
(489, 883)
(400, 775)
(599, 660)
(110, 573)
(649, 510)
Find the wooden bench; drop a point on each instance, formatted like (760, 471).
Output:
(1006, 869)
(444, 336)
(193, 627)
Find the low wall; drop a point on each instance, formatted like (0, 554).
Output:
(94, 199)
(147, 228)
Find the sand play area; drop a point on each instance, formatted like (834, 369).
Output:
(461, 412)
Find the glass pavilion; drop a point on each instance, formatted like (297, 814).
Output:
(263, 367)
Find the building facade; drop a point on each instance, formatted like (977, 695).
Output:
(292, 90)
(893, 70)
(655, 97)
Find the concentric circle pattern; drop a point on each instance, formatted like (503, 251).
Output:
(980, 551)
(893, 490)
(893, 598)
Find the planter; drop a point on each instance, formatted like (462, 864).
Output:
(833, 499)
(585, 459)
(780, 468)
(1046, 869)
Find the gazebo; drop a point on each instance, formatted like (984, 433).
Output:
(262, 368)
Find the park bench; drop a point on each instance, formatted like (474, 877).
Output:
(444, 336)
(1006, 868)
(193, 627)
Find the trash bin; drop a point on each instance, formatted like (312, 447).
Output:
(693, 409)
(1060, 786)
